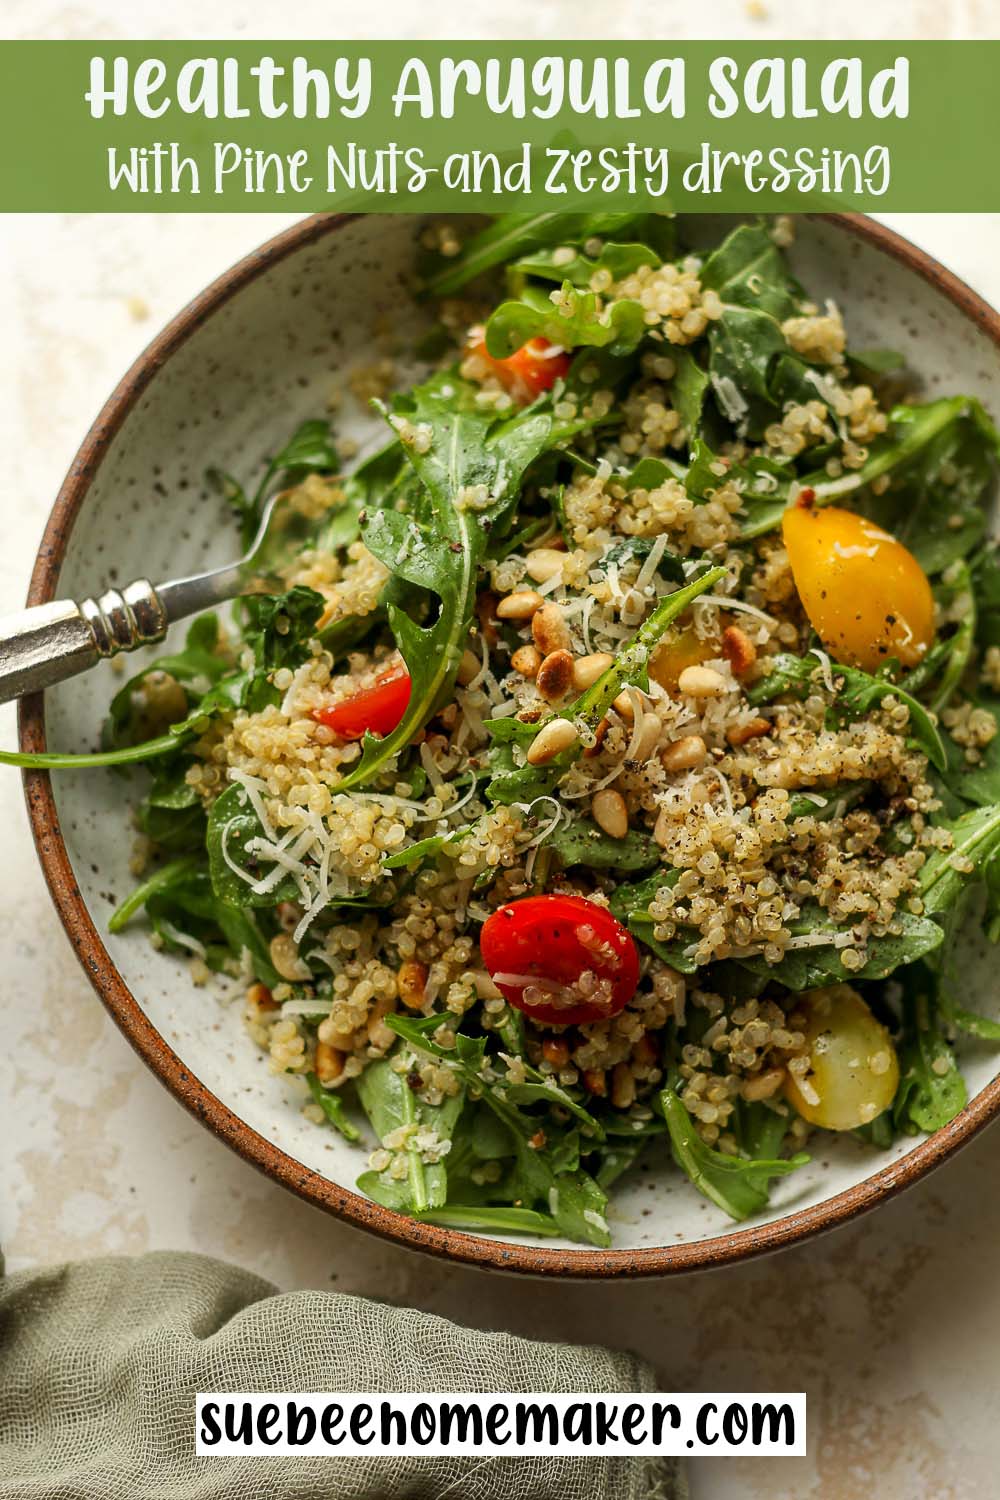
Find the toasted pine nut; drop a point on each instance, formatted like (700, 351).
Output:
(649, 736)
(555, 1051)
(526, 660)
(600, 734)
(752, 731)
(587, 669)
(595, 1081)
(520, 605)
(544, 563)
(549, 630)
(329, 1063)
(485, 988)
(555, 675)
(764, 1085)
(259, 996)
(738, 649)
(486, 608)
(644, 1052)
(334, 1037)
(684, 754)
(469, 667)
(662, 830)
(624, 706)
(609, 812)
(412, 981)
(701, 682)
(379, 1034)
(554, 737)
(622, 1086)
(285, 958)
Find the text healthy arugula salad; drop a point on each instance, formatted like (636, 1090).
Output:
(618, 771)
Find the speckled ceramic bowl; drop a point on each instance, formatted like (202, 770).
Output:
(224, 384)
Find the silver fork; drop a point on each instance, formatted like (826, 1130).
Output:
(50, 642)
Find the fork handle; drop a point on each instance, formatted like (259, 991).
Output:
(50, 642)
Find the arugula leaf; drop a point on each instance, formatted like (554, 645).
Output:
(333, 1108)
(813, 967)
(976, 840)
(931, 1089)
(572, 1197)
(439, 545)
(492, 1218)
(978, 783)
(749, 269)
(857, 693)
(740, 1187)
(391, 1104)
(161, 879)
(551, 264)
(583, 843)
(577, 318)
(513, 235)
(233, 831)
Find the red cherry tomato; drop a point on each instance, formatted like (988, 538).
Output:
(533, 368)
(563, 960)
(377, 709)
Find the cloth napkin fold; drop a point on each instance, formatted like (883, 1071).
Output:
(100, 1362)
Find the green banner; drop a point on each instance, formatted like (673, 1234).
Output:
(477, 126)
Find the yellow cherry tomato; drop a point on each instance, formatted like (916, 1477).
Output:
(866, 596)
(853, 1069)
(677, 650)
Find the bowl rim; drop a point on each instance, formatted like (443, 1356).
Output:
(450, 1244)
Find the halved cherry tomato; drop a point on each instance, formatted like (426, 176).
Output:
(533, 368)
(375, 710)
(563, 960)
(866, 595)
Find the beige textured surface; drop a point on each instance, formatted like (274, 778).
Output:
(891, 1325)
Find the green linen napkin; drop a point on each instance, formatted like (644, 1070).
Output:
(100, 1362)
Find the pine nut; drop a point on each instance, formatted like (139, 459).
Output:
(329, 1033)
(412, 981)
(260, 997)
(549, 630)
(485, 988)
(555, 1051)
(544, 563)
(595, 1081)
(379, 1034)
(664, 828)
(555, 675)
(486, 607)
(738, 649)
(624, 706)
(285, 958)
(765, 1085)
(644, 1052)
(701, 682)
(743, 733)
(684, 754)
(469, 667)
(554, 737)
(519, 606)
(600, 735)
(587, 669)
(608, 810)
(526, 660)
(649, 737)
(622, 1086)
(329, 1063)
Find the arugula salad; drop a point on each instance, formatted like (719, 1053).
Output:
(616, 774)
